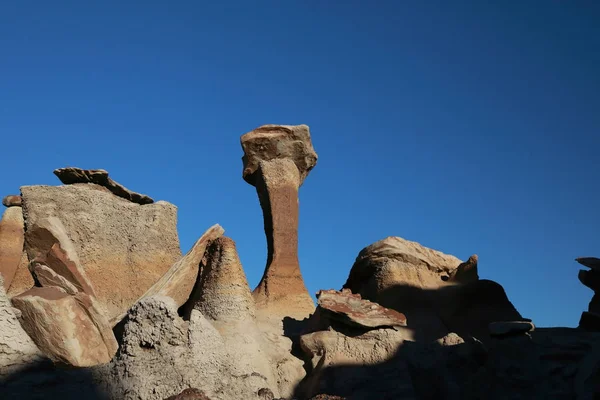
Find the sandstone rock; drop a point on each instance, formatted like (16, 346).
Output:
(17, 350)
(72, 175)
(277, 159)
(189, 394)
(11, 201)
(508, 328)
(68, 329)
(351, 309)
(23, 280)
(437, 292)
(161, 355)
(590, 279)
(466, 272)
(270, 142)
(178, 282)
(590, 262)
(124, 248)
(11, 243)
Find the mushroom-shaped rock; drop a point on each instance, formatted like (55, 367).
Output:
(72, 175)
(277, 159)
(12, 200)
(590, 262)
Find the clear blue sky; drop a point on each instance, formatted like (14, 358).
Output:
(468, 127)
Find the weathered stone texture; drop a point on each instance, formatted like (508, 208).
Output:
(11, 243)
(123, 247)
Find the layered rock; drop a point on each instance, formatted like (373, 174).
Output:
(17, 350)
(277, 159)
(347, 337)
(124, 248)
(72, 175)
(437, 292)
(69, 329)
(11, 243)
(590, 319)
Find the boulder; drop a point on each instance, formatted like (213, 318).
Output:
(17, 350)
(437, 292)
(69, 329)
(11, 201)
(72, 175)
(124, 248)
(11, 243)
(277, 159)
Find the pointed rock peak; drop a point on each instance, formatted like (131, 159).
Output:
(72, 175)
(222, 292)
(466, 272)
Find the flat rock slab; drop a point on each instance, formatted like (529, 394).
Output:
(12, 201)
(353, 310)
(508, 328)
(72, 175)
(123, 248)
(590, 262)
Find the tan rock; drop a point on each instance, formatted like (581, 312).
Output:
(17, 350)
(11, 201)
(72, 175)
(277, 159)
(68, 329)
(123, 248)
(178, 282)
(23, 280)
(11, 243)
(466, 272)
(437, 292)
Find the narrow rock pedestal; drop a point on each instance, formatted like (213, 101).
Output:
(277, 159)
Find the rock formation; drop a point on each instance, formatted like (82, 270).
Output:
(277, 159)
(99, 177)
(11, 243)
(123, 247)
(11, 201)
(590, 319)
(409, 323)
(438, 293)
(17, 350)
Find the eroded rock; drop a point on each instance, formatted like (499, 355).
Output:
(11, 201)
(11, 243)
(124, 248)
(17, 350)
(352, 310)
(68, 329)
(72, 175)
(277, 159)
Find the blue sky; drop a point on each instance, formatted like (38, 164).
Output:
(468, 127)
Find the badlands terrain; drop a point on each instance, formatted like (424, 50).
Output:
(97, 301)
